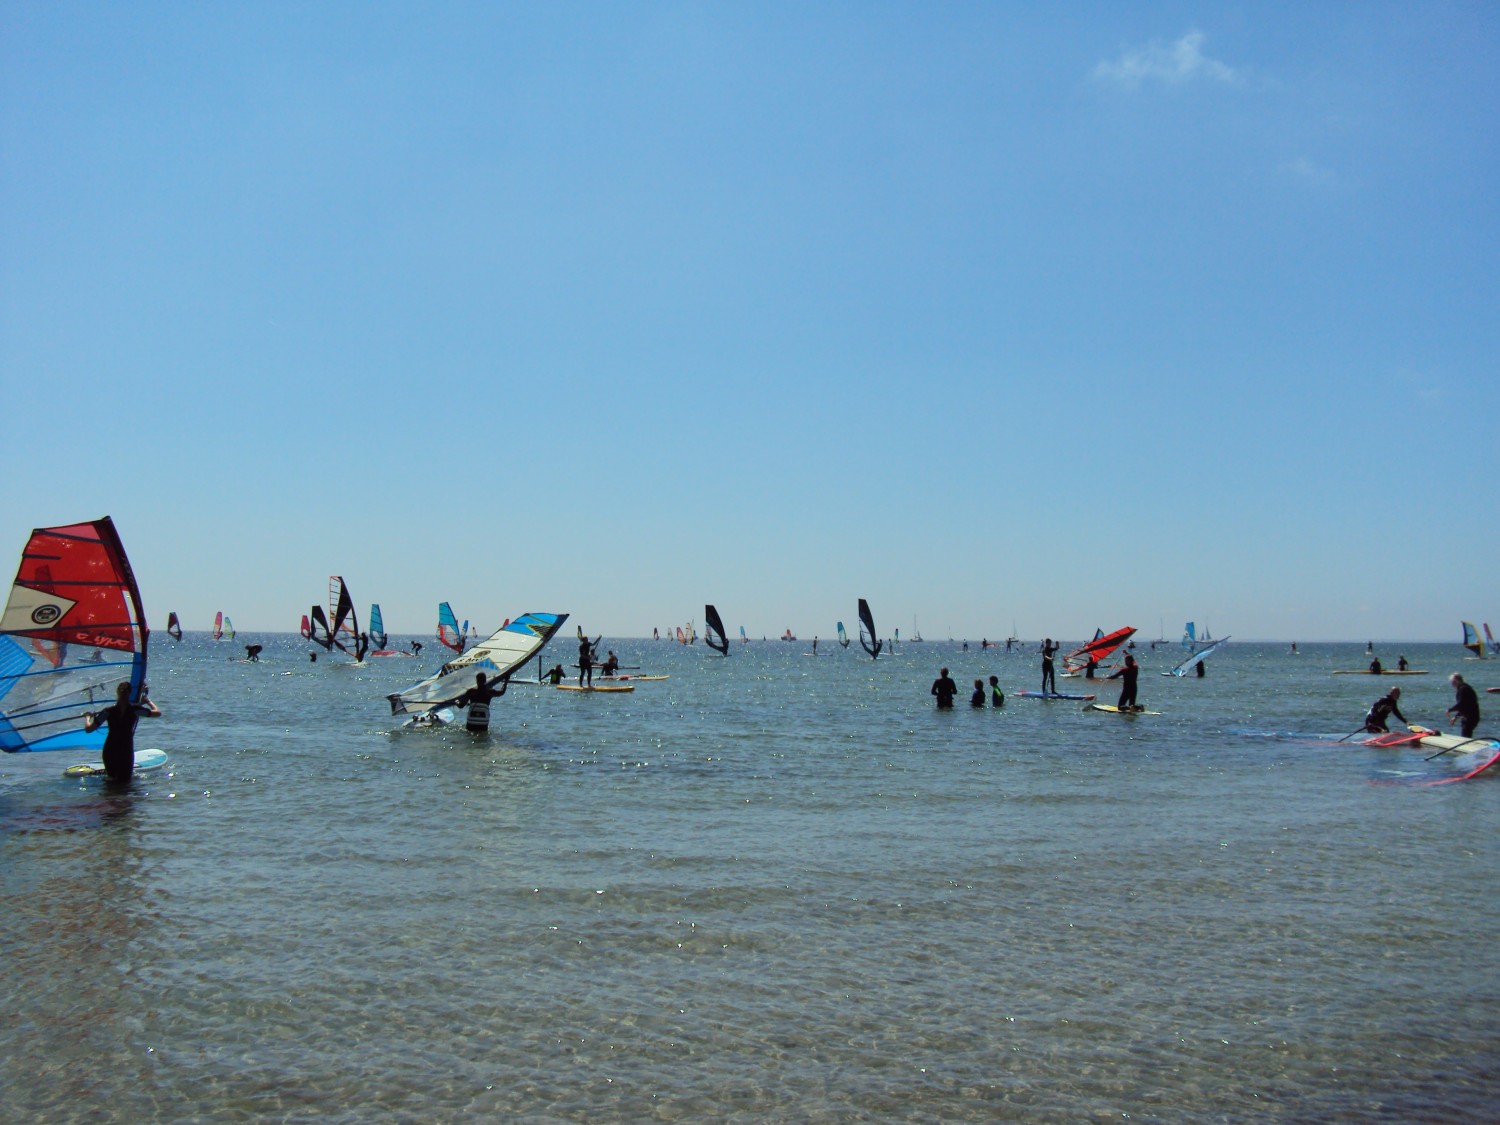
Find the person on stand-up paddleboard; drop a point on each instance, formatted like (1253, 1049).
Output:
(121, 717)
(1465, 707)
(1129, 674)
(1049, 673)
(477, 700)
(1382, 709)
(944, 689)
(585, 661)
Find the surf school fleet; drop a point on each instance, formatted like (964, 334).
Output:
(74, 647)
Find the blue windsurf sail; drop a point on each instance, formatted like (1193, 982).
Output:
(72, 631)
(378, 636)
(448, 631)
(1182, 669)
(843, 636)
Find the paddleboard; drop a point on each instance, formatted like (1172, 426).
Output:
(596, 687)
(1050, 695)
(1493, 690)
(145, 760)
(1113, 710)
(1382, 672)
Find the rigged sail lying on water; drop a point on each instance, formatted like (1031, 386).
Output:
(713, 631)
(1182, 669)
(498, 657)
(74, 601)
(867, 639)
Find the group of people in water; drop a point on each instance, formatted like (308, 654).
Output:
(1465, 709)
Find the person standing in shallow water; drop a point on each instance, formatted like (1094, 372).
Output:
(944, 689)
(977, 699)
(997, 697)
(121, 717)
(477, 700)
(1130, 673)
(1465, 706)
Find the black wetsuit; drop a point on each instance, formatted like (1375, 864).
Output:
(585, 662)
(1383, 708)
(945, 689)
(1466, 709)
(1129, 674)
(1049, 673)
(977, 699)
(119, 743)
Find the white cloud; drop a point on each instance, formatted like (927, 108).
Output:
(1305, 169)
(1174, 64)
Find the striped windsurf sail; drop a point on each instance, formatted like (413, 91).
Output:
(228, 629)
(867, 640)
(498, 657)
(378, 636)
(448, 631)
(1471, 639)
(218, 625)
(1182, 669)
(713, 631)
(72, 630)
(345, 630)
(1100, 647)
(843, 636)
(174, 627)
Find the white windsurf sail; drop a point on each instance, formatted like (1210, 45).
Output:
(498, 657)
(1204, 654)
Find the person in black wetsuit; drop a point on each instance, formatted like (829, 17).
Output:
(121, 717)
(1376, 668)
(555, 676)
(252, 652)
(1401, 663)
(977, 699)
(1465, 706)
(416, 648)
(1382, 709)
(1049, 672)
(585, 661)
(997, 697)
(944, 689)
(1129, 674)
(477, 700)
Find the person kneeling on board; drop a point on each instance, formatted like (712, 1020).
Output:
(1129, 673)
(477, 700)
(1382, 709)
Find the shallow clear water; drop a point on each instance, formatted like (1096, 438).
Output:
(768, 888)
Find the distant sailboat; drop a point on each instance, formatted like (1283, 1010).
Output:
(174, 627)
(448, 630)
(867, 634)
(713, 631)
(306, 628)
(916, 634)
(843, 636)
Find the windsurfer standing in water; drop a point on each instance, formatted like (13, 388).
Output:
(121, 717)
(944, 689)
(477, 700)
(1129, 673)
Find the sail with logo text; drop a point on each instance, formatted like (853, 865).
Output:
(713, 631)
(498, 657)
(72, 630)
(867, 637)
(340, 627)
(174, 627)
(448, 630)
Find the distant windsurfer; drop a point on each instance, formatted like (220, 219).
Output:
(997, 697)
(1128, 675)
(121, 717)
(944, 689)
(1382, 709)
(361, 646)
(416, 648)
(1465, 706)
(477, 700)
(1049, 672)
(977, 699)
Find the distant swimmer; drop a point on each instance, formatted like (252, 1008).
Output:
(555, 676)
(121, 717)
(252, 652)
(1382, 709)
(1465, 706)
(312, 657)
(477, 700)
(997, 697)
(1376, 667)
(1049, 672)
(944, 689)
(1128, 675)
(977, 699)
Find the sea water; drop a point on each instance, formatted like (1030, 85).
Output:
(772, 887)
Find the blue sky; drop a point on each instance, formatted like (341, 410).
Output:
(1061, 316)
